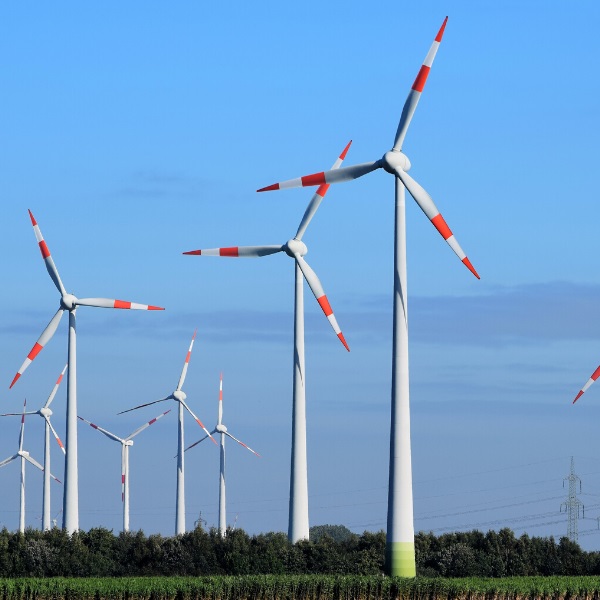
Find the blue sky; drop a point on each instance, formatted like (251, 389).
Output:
(136, 132)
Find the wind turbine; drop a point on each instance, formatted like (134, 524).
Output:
(400, 550)
(46, 413)
(179, 396)
(24, 455)
(220, 428)
(68, 302)
(298, 528)
(126, 443)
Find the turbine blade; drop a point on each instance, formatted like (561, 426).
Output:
(186, 363)
(415, 93)
(316, 200)
(242, 443)
(34, 462)
(42, 341)
(9, 459)
(423, 199)
(55, 389)
(50, 266)
(319, 292)
(123, 474)
(325, 177)
(196, 443)
(144, 405)
(145, 425)
(238, 251)
(20, 414)
(58, 441)
(108, 434)
(220, 418)
(109, 303)
(198, 421)
(22, 431)
(589, 382)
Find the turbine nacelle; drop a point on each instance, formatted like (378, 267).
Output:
(23, 453)
(128, 443)
(394, 159)
(179, 396)
(221, 428)
(68, 302)
(45, 412)
(294, 246)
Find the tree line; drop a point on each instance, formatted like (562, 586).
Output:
(331, 550)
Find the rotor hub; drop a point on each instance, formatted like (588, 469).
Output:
(45, 412)
(294, 246)
(68, 302)
(129, 442)
(393, 159)
(179, 396)
(221, 428)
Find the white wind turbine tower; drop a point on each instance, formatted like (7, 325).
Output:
(179, 396)
(222, 429)
(46, 413)
(298, 528)
(400, 550)
(68, 302)
(24, 455)
(126, 443)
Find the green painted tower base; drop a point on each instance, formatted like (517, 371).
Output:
(400, 559)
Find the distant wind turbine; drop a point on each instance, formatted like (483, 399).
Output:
(220, 428)
(24, 455)
(126, 443)
(400, 550)
(69, 303)
(46, 413)
(179, 396)
(298, 528)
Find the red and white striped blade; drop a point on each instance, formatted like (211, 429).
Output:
(147, 404)
(319, 292)
(316, 200)
(55, 388)
(110, 303)
(415, 93)
(198, 421)
(50, 266)
(58, 440)
(325, 177)
(220, 419)
(9, 459)
(423, 199)
(238, 251)
(22, 430)
(186, 363)
(146, 425)
(589, 382)
(196, 443)
(42, 341)
(108, 434)
(123, 474)
(241, 443)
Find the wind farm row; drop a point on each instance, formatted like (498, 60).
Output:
(400, 520)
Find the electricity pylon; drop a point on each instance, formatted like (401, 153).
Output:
(572, 504)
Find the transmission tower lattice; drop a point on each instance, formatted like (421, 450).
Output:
(572, 505)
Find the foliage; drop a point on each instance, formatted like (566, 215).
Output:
(199, 553)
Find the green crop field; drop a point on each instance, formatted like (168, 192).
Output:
(301, 587)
